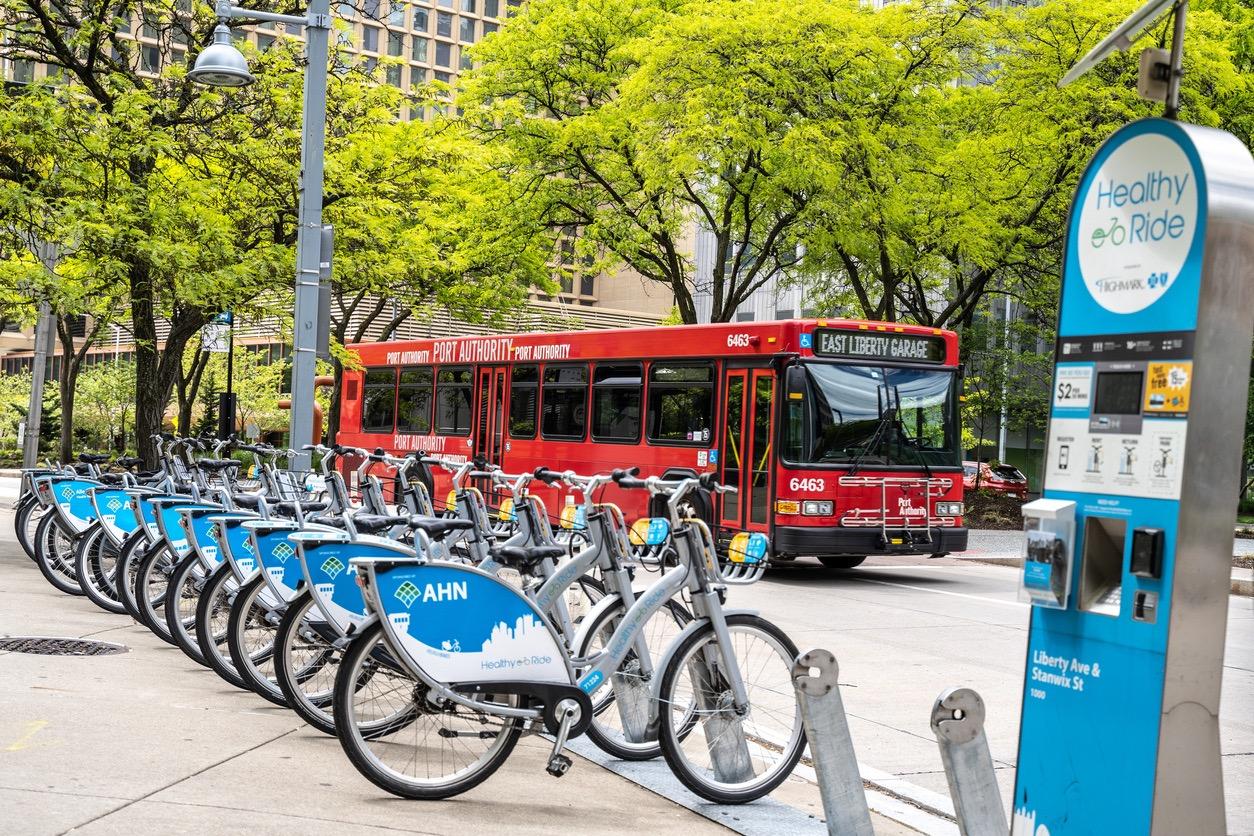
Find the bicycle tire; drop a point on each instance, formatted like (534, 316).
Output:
(212, 611)
(604, 734)
(673, 738)
(246, 613)
(133, 551)
(150, 595)
(181, 604)
(26, 520)
(54, 555)
(93, 578)
(356, 745)
(295, 636)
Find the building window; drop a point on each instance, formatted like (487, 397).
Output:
(417, 78)
(396, 44)
(443, 78)
(616, 394)
(378, 396)
(370, 64)
(393, 74)
(681, 402)
(524, 393)
(744, 316)
(149, 31)
(419, 51)
(150, 58)
(564, 409)
(346, 11)
(464, 61)
(445, 4)
(396, 17)
(488, 28)
(370, 8)
(444, 24)
(784, 313)
(413, 404)
(369, 39)
(178, 56)
(264, 42)
(452, 402)
(467, 30)
(587, 284)
(491, 8)
(443, 54)
(422, 20)
(297, 29)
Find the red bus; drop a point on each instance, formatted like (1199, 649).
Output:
(842, 436)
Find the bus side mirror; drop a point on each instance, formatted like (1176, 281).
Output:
(795, 380)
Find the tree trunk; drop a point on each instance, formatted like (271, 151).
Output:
(149, 403)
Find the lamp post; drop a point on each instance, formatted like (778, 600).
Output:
(221, 65)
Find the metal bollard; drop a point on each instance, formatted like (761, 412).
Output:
(831, 747)
(958, 722)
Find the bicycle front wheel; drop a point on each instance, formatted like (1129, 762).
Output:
(26, 521)
(250, 636)
(399, 740)
(152, 584)
(722, 754)
(181, 601)
(213, 612)
(96, 564)
(54, 554)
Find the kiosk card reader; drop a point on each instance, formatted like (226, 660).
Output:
(1128, 554)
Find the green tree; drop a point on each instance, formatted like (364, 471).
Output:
(106, 397)
(14, 403)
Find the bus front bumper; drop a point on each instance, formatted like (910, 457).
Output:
(822, 542)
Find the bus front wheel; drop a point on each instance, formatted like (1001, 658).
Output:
(841, 562)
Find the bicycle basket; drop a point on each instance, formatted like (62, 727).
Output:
(747, 558)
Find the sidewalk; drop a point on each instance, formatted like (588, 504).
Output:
(148, 742)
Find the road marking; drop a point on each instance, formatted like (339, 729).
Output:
(1018, 604)
(23, 742)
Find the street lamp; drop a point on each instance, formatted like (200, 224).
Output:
(221, 65)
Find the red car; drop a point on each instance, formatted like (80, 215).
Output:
(1002, 478)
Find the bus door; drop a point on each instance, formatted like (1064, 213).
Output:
(746, 452)
(490, 428)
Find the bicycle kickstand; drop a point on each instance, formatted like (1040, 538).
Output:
(568, 712)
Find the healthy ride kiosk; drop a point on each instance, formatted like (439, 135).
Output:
(1129, 550)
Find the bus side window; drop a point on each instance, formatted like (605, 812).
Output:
(524, 397)
(565, 405)
(452, 401)
(378, 408)
(681, 402)
(413, 403)
(616, 391)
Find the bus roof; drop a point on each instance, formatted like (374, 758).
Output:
(843, 338)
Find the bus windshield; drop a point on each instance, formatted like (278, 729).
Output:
(874, 415)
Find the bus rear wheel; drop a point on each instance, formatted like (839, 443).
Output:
(841, 561)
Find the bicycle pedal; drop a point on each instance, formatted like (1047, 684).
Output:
(559, 765)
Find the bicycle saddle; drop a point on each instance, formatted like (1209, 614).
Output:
(527, 556)
(93, 458)
(247, 500)
(128, 462)
(111, 478)
(374, 523)
(438, 527)
(288, 506)
(217, 465)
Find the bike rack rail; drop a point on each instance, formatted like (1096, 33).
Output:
(958, 723)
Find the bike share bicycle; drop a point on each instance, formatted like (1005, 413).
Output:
(490, 664)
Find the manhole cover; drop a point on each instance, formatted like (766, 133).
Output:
(45, 646)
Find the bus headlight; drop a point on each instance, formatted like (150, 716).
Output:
(949, 509)
(813, 508)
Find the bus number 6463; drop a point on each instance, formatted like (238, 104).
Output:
(812, 485)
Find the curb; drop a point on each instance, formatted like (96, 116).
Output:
(1243, 586)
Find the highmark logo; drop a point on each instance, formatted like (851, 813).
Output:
(1137, 221)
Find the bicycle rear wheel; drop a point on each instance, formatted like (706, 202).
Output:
(96, 564)
(213, 612)
(250, 637)
(622, 704)
(306, 662)
(181, 602)
(54, 554)
(722, 756)
(436, 752)
(133, 552)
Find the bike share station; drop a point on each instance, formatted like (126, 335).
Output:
(1128, 553)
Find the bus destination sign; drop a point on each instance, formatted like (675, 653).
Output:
(878, 346)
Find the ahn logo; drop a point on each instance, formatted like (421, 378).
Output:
(332, 567)
(67, 492)
(283, 551)
(247, 546)
(115, 504)
(409, 592)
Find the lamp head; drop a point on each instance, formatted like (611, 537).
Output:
(221, 64)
